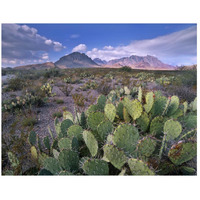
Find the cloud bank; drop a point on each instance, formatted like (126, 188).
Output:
(176, 48)
(22, 44)
(79, 48)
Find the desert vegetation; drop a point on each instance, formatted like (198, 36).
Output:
(99, 121)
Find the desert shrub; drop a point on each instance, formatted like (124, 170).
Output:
(59, 101)
(29, 121)
(104, 87)
(125, 69)
(51, 73)
(16, 84)
(57, 114)
(67, 89)
(79, 99)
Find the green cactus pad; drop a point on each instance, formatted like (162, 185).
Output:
(143, 122)
(182, 152)
(112, 96)
(134, 107)
(55, 153)
(156, 127)
(44, 172)
(185, 104)
(101, 102)
(94, 119)
(69, 160)
(189, 122)
(114, 155)
(140, 94)
(34, 152)
(65, 143)
(173, 106)
(90, 142)
(120, 110)
(104, 129)
(187, 170)
(126, 90)
(75, 131)
(32, 138)
(65, 125)
(193, 105)
(138, 167)
(110, 111)
(172, 129)
(13, 160)
(146, 147)
(95, 167)
(52, 165)
(92, 109)
(110, 139)
(126, 116)
(149, 102)
(123, 172)
(126, 137)
(57, 126)
(158, 106)
(177, 114)
(83, 121)
(68, 115)
(46, 142)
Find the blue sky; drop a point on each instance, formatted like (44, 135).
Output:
(36, 43)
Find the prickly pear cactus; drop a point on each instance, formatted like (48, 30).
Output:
(112, 96)
(65, 143)
(172, 129)
(185, 104)
(193, 105)
(156, 127)
(140, 94)
(104, 129)
(13, 160)
(46, 142)
(94, 119)
(95, 167)
(68, 115)
(138, 167)
(101, 102)
(34, 153)
(149, 101)
(57, 126)
(134, 107)
(182, 152)
(126, 91)
(92, 109)
(65, 125)
(126, 116)
(32, 138)
(126, 137)
(83, 121)
(91, 142)
(146, 147)
(55, 153)
(52, 165)
(114, 155)
(69, 160)
(143, 122)
(120, 110)
(110, 111)
(75, 131)
(173, 105)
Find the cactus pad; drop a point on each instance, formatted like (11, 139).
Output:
(146, 147)
(65, 125)
(140, 94)
(110, 111)
(101, 102)
(32, 138)
(193, 105)
(114, 155)
(173, 106)
(69, 160)
(104, 129)
(185, 104)
(120, 110)
(94, 119)
(95, 167)
(143, 122)
(149, 102)
(134, 107)
(65, 173)
(126, 90)
(52, 165)
(68, 115)
(126, 137)
(55, 153)
(126, 116)
(156, 127)
(75, 131)
(65, 143)
(83, 121)
(92, 109)
(182, 152)
(34, 152)
(46, 142)
(91, 142)
(172, 129)
(138, 167)
(13, 160)
(57, 125)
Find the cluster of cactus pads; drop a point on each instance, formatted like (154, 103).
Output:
(119, 135)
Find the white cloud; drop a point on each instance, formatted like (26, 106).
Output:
(74, 36)
(21, 43)
(174, 48)
(79, 48)
(45, 56)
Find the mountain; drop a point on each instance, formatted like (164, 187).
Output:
(76, 60)
(99, 61)
(140, 62)
(47, 65)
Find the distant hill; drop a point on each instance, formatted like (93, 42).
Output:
(47, 65)
(99, 61)
(76, 60)
(140, 62)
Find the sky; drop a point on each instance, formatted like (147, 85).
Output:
(174, 44)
